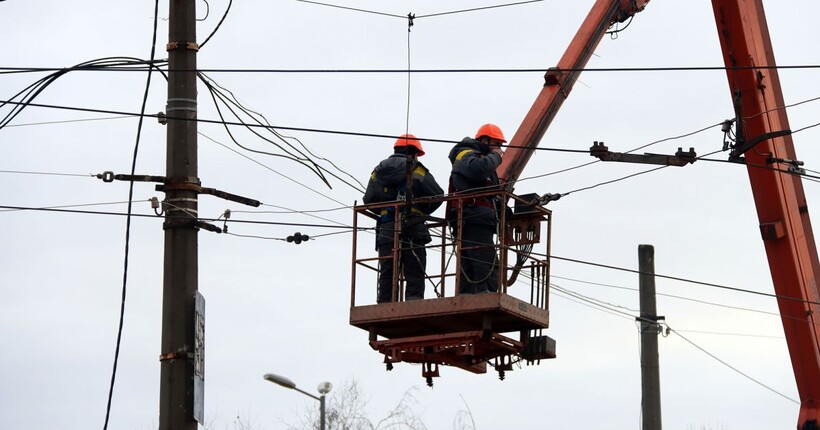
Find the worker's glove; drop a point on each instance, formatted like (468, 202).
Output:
(498, 150)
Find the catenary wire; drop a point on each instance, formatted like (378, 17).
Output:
(128, 220)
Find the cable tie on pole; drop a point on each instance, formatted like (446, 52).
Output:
(410, 17)
(187, 45)
(176, 356)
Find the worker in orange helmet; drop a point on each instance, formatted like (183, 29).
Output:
(389, 182)
(475, 161)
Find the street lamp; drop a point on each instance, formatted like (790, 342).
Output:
(323, 389)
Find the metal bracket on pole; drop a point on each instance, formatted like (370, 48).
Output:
(680, 159)
(744, 146)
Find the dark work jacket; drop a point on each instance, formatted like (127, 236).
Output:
(473, 170)
(386, 181)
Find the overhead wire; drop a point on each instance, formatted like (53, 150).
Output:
(128, 221)
(219, 24)
(75, 205)
(17, 70)
(30, 92)
(478, 9)
(292, 211)
(731, 334)
(745, 375)
(271, 169)
(218, 92)
(722, 305)
(350, 8)
(67, 121)
(26, 172)
(419, 16)
(82, 212)
(617, 312)
(274, 127)
(676, 278)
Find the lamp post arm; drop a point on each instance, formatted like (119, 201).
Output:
(307, 394)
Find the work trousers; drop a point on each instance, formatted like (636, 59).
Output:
(412, 262)
(479, 266)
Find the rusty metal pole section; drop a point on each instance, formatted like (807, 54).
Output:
(180, 277)
(650, 374)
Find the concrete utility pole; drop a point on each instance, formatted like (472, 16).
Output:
(180, 277)
(650, 377)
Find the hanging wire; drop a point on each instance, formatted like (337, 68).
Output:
(128, 221)
(219, 24)
(745, 375)
(479, 8)
(410, 18)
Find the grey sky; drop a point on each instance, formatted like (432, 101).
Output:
(281, 308)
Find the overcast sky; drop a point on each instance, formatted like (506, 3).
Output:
(277, 307)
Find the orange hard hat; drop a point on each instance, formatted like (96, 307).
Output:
(492, 131)
(409, 140)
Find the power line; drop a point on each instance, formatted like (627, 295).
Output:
(579, 295)
(133, 68)
(271, 169)
(419, 16)
(731, 334)
(76, 205)
(622, 314)
(675, 278)
(610, 308)
(325, 131)
(732, 367)
(292, 211)
(74, 211)
(219, 24)
(477, 9)
(128, 221)
(25, 172)
(273, 127)
(67, 121)
(671, 296)
(351, 8)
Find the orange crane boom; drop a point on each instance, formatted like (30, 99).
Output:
(761, 122)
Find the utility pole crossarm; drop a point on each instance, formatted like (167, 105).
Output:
(680, 159)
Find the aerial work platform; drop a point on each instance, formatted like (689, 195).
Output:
(467, 331)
